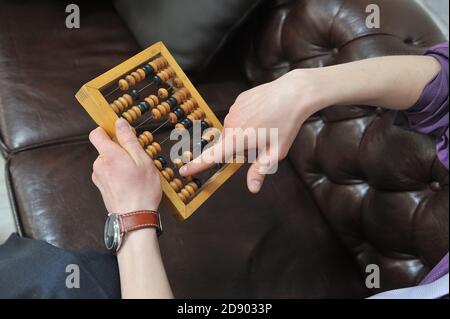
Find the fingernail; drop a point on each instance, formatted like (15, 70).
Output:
(182, 170)
(122, 125)
(255, 185)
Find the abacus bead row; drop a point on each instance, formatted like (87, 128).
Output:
(188, 190)
(187, 122)
(140, 74)
(176, 184)
(164, 75)
(167, 173)
(165, 107)
(132, 114)
(184, 109)
(158, 64)
(181, 95)
(153, 149)
(145, 138)
(121, 103)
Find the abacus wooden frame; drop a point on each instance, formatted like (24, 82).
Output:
(91, 98)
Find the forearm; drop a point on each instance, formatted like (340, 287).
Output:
(142, 273)
(394, 82)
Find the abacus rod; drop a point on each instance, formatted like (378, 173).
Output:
(106, 95)
(165, 140)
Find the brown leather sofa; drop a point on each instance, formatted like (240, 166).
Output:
(354, 190)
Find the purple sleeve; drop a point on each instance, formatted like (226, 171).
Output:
(430, 113)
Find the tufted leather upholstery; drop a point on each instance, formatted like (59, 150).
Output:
(380, 188)
(354, 189)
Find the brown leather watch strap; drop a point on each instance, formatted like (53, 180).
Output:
(139, 219)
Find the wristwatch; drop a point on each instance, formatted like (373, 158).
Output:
(118, 225)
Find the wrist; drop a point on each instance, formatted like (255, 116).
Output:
(138, 240)
(133, 206)
(307, 86)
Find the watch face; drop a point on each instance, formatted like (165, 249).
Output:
(112, 232)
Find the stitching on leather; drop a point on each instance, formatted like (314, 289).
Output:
(141, 212)
(142, 226)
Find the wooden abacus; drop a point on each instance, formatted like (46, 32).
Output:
(169, 94)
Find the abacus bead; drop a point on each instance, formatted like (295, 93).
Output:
(119, 105)
(165, 175)
(189, 189)
(163, 93)
(135, 94)
(157, 146)
(203, 143)
(148, 135)
(123, 85)
(149, 152)
(179, 112)
(141, 73)
(163, 76)
(166, 106)
(137, 111)
(123, 101)
(150, 102)
(157, 80)
(156, 114)
(174, 185)
(131, 81)
(170, 172)
(158, 164)
(172, 102)
(203, 125)
(143, 106)
(177, 83)
(178, 182)
(155, 99)
(178, 162)
(172, 117)
(185, 193)
(128, 98)
(197, 182)
(209, 137)
(127, 117)
(193, 185)
(162, 160)
(179, 126)
(187, 156)
(153, 66)
(152, 150)
(136, 76)
(115, 108)
(148, 70)
(162, 109)
(182, 197)
(187, 123)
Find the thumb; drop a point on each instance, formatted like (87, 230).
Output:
(128, 140)
(257, 172)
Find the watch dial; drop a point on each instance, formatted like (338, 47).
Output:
(110, 232)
